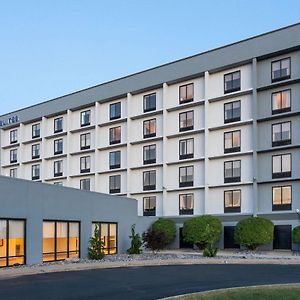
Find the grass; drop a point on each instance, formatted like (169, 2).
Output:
(276, 292)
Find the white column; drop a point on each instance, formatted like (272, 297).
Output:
(164, 183)
(96, 141)
(128, 148)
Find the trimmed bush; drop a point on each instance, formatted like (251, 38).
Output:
(136, 242)
(154, 240)
(167, 227)
(202, 231)
(253, 232)
(296, 235)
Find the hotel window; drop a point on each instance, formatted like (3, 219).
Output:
(61, 240)
(282, 198)
(35, 151)
(186, 204)
(115, 135)
(186, 176)
(13, 156)
(13, 173)
(186, 121)
(85, 118)
(85, 164)
(13, 136)
(85, 141)
(58, 146)
(85, 184)
(232, 201)
(114, 160)
(281, 69)
(114, 184)
(186, 93)
(35, 172)
(149, 180)
(232, 82)
(281, 165)
(12, 242)
(281, 102)
(149, 206)
(232, 171)
(115, 111)
(58, 125)
(186, 148)
(150, 102)
(36, 130)
(58, 168)
(149, 128)
(149, 154)
(60, 183)
(109, 236)
(232, 111)
(281, 134)
(232, 141)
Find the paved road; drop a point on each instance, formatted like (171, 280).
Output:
(143, 282)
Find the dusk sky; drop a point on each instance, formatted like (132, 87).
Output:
(51, 48)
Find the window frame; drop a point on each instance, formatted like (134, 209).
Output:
(85, 147)
(13, 136)
(147, 212)
(38, 167)
(232, 208)
(145, 109)
(281, 174)
(232, 178)
(116, 116)
(149, 187)
(281, 142)
(281, 77)
(281, 110)
(149, 161)
(58, 174)
(13, 153)
(114, 190)
(232, 120)
(149, 135)
(188, 155)
(83, 181)
(86, 160)
(186, 183)
(112, 141)
(232, 89)
(277, 207)
(232, 149)
(36, 133)
(82, 113)
(187, 128)
(57, 141)
(15, 171)
(116, 166)
(187, 100)
(32, 151)
(57, 130)
(185, 211)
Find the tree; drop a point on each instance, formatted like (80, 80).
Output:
(296, 235)
(166, 226)
(154, 239)
(96, 246)
(136, 242)
(253, 232)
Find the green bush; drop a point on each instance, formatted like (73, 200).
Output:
(253, 232)
(96, 246)
(210, 251)
(154, 240)
(167, 227)
(202, 231)
(136, 242)
(296, 235)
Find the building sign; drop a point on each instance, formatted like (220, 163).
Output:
(11, 120)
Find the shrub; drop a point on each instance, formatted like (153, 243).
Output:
(167, 227)
(254, 231)
(154, 239)
(210, 251)
(136, 242)
(202, 231)
(296, 235)
(96, 246)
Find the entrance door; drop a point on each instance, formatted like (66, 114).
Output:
(229, 238)
(182, 242)
(282, 237)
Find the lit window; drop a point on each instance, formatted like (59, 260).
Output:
(149, 206)
(109, 236)
(149, 128)
(281, 102)
(186, 204)
(115, 135)
(232, 141)
(282, 198)
(232, 201)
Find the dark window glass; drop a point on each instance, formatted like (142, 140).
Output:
(13, 156)
(115, 111)
(58, 146)
(85, 118)
(232, 112)
(149, 128)
(58, 125)
(150, 102)
(35, 151)
(36, 130)
(115, 135)
(58, 168)
(186, 148)
(85, 184)
(186, 176)
(232, 201)
(149, 180)
(282, 198)
(281, 102)
(109, 236)
(281, 69)
(149, 153)
(281, 134)
(114, 184)
(186, 204)
(85, 164)
(232, 171)
(281, 166)
(232, 82)
(85, 141)
(35, 172)
(186, 121)
(232, 141)
(13, 136)
(186, 93)
(149, 206)
(114, 159)
(13, 173)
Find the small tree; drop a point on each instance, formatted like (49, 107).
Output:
(154, 240)
(136, 242)
(166, 226)
(253, 232)
(296, 235)
(96, 246)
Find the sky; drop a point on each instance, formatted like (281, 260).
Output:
(52, 48)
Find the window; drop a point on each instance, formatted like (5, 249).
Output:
(149, 206)
(232, 201)
(58, 125)
(281, 134)
(281, 102)
(282, 198)
(114, 184)
(186, 148)
(12, 242)
(149, 154)
(61, 240)
(35, 172)
(232, 111)
(85, 164)
(13, 136)
(60, 183)
(85, 184)
(85, 141)
(115, 111)
(186, 121)
(232, 82)
(114, 159)
(281, 165)
(13, 173)
(186, 176)
(85, 118)
(232, 171)
(58, 168)
(232, 141)
(13, 156)
(186, 204)
(36, 130)
(115, 135)
(58, 146)
(149, 180)
(149, 128)
(186, 93)
(109, 236)
(35, 151)
(281, 69)
(150, 102)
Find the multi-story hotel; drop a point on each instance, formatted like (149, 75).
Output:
(215, 133)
